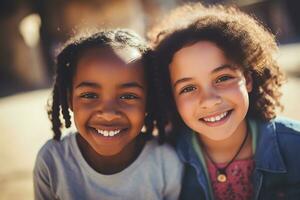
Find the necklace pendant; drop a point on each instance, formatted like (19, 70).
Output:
(222, 178)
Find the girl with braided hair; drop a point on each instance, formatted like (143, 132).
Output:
(104, 80)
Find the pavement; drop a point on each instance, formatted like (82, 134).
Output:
(25, 127)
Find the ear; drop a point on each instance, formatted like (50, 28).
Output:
(249, 81)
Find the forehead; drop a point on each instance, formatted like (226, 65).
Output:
(109, 64)
(124, 55)
(202, 51)
(200, 57)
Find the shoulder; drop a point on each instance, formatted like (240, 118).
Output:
(278, 145)
(285, 126)
(285, 130)
(164, 157)
(281, 126)
(288, 134)
(163, 153)
(288, 138)
(53, 149)
(47, 149)
(161, 149)
(57, 146)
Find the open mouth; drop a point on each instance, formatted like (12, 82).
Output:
(108, 133)
(217, 118)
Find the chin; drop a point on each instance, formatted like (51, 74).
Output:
(215, 136)
(219, 137)
(107, 152)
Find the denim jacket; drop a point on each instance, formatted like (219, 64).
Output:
(277, 166)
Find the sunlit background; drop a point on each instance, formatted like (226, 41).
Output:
(32, 31)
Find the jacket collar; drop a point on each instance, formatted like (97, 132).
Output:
(267, 156)
(184, 146)
(187, 154)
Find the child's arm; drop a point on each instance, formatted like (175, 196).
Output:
(41, 180)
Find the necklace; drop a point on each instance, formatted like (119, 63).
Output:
(221, 172)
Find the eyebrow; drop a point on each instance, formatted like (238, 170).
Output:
(182, 80)
(220, 68)
(224, 66)
(95, 85)
(132, 84)
(87, 84)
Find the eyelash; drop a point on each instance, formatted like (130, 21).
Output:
(92, 96)
(89, 96)
(187, 89)
(219, 80)
(129, 96)
(227, 77)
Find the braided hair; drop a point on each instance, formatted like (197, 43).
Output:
(66, 64)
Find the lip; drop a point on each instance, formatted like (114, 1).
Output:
(108, 128)
(112, 126)
(105, 139)
(214, 114)
(217, 123)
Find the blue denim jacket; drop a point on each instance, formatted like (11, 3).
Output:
(277, 163)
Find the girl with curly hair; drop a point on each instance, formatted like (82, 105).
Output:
(103, 79)
(219, 87)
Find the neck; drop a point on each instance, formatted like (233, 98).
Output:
(222, 151)
(111, 164)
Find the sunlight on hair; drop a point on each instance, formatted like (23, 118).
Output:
(29, 28)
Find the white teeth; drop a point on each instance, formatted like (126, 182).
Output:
(105, 133)
(108, 133)
(216, 118)
(111, 133)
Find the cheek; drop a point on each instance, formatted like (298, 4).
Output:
(185, 107)
(79, 121)
(136, 114)
(81, 112)
(240, 96)
(245, 99)
(79, 116)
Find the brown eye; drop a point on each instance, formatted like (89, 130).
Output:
(129, 96)
(187, 89)
(223, 78)
(89, 96)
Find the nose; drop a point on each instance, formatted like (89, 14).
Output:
(108, 111)
(210, 98)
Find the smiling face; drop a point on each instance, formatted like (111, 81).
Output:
(210, 91)
(109, 98)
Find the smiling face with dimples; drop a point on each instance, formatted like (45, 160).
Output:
(210, 91)
(108, 99)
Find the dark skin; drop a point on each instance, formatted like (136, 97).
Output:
(103, 104)
(111, 164)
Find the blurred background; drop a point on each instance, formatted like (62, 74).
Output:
(33, 30)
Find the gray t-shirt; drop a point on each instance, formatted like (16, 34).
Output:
(61, 172)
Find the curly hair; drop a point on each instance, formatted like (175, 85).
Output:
(66, 64)
(242, 38)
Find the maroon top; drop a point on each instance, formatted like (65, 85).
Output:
(238, 184)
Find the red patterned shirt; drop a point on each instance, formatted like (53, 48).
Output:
(238, 185)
